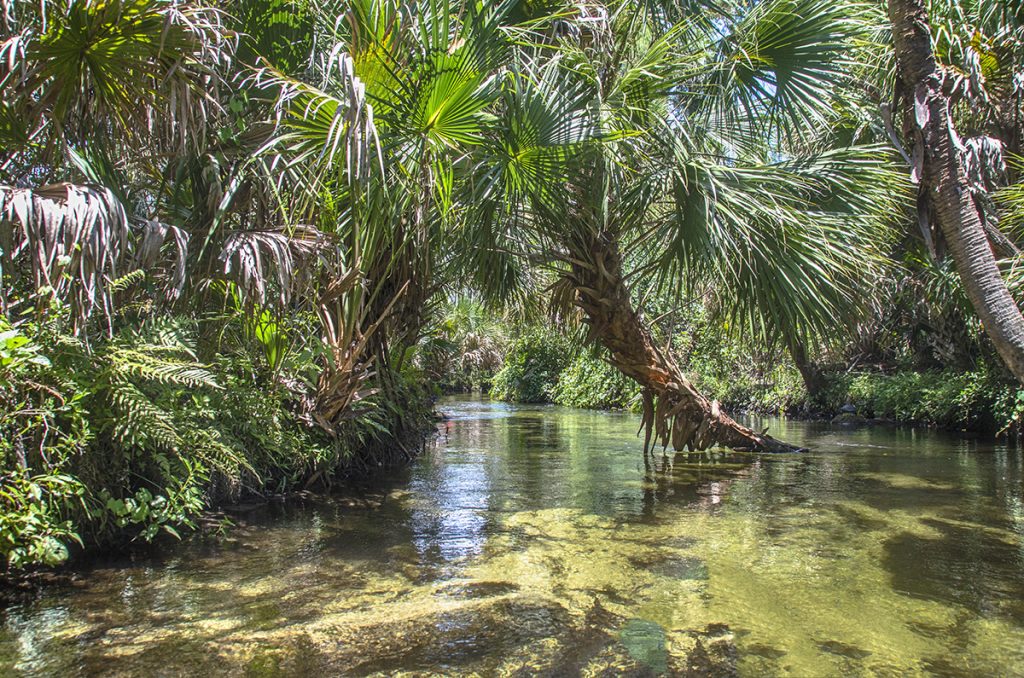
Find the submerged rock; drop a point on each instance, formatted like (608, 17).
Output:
(843, 649)
(645, 642)
(848, 419)
(710, 656)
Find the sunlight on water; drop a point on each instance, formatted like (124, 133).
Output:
(532, 540)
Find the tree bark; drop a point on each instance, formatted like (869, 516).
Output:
(944, 180)
(814, 380)
(675, 412)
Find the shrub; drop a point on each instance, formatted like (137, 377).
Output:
(531, 368)
(978, 400)
(778, 391)
(34, 529)
(134, 436)
(591, 382)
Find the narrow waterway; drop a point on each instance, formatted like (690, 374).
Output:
(532, 540)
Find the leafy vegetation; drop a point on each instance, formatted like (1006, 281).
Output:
(466, 347)
(589, 381)
(174, 334)
(532, 366)
(982, 399)
(242, 245)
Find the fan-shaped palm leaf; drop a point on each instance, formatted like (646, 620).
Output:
(122, 67)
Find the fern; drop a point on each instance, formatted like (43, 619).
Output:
(209, 447)
(143, 363)
(128, 280)
(138, 422)
(159, 335)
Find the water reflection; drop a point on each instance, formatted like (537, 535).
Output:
(532, 540)
(451, 499)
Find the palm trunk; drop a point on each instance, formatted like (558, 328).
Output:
(814, 380)
(674, 411)
(944, 180)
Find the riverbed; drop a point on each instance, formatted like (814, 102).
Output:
(534, 540)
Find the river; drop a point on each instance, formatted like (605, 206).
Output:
(532, 540)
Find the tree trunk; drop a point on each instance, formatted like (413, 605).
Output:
(944, 179)
(814, 380)
(674, 411)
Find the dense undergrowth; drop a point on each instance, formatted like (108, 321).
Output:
(977, 401)
(543, 366)
(980, 401)
(132, 437)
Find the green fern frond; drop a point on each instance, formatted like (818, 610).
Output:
(141, 364)
(208, 446)
(137, 421)
(128, 280)
(162, 335)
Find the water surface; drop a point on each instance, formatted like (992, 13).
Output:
(533, 540)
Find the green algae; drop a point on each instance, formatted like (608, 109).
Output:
(535, 541)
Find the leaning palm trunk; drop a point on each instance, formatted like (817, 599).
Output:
(675, 412)
(944, 181)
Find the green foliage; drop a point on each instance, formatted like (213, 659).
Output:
(153, 513)
(85, 70)
(589, 381)
(133, 436)
(531, 368)
(777, 390)
(279, 31)
(466, 347)
(33, 526)
(745, 379)
(17, 351)
(739, 370)
(976, 401)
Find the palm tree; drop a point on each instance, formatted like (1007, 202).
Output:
(368, 147)
(638, 151)
(92, 93)
(941, 160)
(614, 146)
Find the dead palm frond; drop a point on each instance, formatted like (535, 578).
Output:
(149, 247)
(255, 258)
(71, 239)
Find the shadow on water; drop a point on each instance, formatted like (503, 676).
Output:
(532, 540)
(962, 566)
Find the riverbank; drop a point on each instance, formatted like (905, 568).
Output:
(983, 401)
(131, 439)
(975, 402)
(51, 553)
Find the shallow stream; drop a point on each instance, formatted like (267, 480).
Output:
(532, 540)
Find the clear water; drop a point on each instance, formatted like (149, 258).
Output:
(532, 540)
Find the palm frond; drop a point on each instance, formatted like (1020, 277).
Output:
(126, 66)
(326, 132)
(72, 239)
(787, 247)
(149, 248)
(255, 258)
(784, 62)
